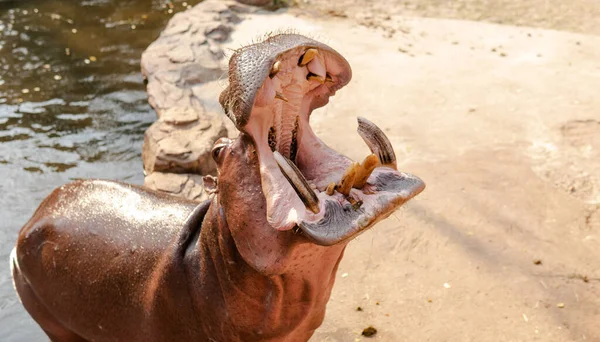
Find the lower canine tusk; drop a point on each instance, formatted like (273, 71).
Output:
(298, 182)
(378, 142)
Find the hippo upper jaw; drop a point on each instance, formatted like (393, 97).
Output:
(306, 184)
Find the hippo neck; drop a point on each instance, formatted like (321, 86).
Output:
(287, 306)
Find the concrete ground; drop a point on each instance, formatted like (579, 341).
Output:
(503, 124)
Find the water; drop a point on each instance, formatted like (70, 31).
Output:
(72, 105)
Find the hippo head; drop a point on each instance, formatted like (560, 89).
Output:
(278, 174)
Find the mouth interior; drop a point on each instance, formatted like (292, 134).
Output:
(280, 122)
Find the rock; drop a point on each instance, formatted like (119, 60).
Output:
(188, 52)
(181, 54)
(218, 33)
(187, 55)
(183, 185)
(180, 116)
(178, 143)
(256, 2)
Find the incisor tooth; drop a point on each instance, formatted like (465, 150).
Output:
(298, 182)
(330, 189)
(280, 96)
(355, 204)
(378, 142)
(348, 179)
(275, 69)
(365, 170)
(308, 56)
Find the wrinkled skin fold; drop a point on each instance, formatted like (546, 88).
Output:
(107, 261)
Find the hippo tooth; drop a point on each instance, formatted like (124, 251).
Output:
(298, 182)
(313, 77)
(330, 189)
(365, 170)
(348, 179)
(308, 56)
(280, 96)
(378, 142)
(275, 69)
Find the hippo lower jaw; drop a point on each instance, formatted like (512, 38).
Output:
(306, 183)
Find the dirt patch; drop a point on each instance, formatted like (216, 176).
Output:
(576, 16)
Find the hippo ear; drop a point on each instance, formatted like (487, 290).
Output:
(210, 184)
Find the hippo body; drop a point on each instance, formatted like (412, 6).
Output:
(107, 261)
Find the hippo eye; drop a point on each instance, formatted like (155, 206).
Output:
(219, 147)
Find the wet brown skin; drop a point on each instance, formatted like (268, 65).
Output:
(107, 261)
(89, 270)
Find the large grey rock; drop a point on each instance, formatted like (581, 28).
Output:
(183, 185)
(187, 55)
(180, 141)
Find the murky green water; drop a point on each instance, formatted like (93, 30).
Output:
(72, 105)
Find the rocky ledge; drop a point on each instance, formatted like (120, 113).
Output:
(187, 55)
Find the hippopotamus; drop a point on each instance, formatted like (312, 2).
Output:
(103, 260)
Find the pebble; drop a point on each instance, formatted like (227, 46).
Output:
(36, 89)
(25, 91)
(86, 61)
(369, 331)
(133, 27)
(74, 30)
(560, 305)
(344, 275)
(446, 285)
(93, 58)
(58, 77)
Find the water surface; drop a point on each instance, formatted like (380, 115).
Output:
(72, 105)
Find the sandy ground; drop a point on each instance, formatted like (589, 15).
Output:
(575, 15)
(502, 123)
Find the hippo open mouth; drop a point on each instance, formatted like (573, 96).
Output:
(273, 88)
